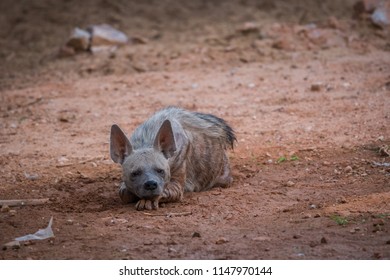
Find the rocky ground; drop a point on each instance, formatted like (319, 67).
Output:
(305, 84)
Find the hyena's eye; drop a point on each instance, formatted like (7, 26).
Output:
(136, 173)
(160, 171)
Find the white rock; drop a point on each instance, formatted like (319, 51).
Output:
(106, 35)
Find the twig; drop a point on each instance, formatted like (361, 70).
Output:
(80, 162)
(168, 215)
(23, 202)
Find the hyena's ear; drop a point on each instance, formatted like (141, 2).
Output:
(120, 146)
(165, 141)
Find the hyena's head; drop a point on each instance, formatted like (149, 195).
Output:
(145, 170)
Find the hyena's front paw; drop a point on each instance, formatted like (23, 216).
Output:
(125, 195)
(144, 204)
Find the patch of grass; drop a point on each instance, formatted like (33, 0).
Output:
(341, 221)
(283, 159)
(382, 216)
(294, 157)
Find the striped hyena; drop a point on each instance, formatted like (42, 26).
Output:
(173, 152)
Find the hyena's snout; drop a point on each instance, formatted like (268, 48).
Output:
(151, 188)
(150, 185)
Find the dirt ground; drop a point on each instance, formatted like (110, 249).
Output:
(305, 84)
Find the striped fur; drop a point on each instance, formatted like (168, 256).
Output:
(189, 147)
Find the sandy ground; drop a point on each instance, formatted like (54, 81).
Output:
(305, 86)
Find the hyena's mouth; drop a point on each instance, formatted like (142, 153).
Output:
(150, 190)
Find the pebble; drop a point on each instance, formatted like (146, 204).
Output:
(354, 230)
(306, 216)
(290, 183)
(316, 87)
(342, 200)
(249, 27)
(261, 238)
(195, 234)
(324, 240)
(221, 240)
(171, 250)
(348, 169)
(31, 177)
(5, 208)
(12, 212)
(313, 206)
(69, 222)
(79, 40)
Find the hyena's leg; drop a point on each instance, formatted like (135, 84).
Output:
(225, 179)
(125, 195)
(174, 190)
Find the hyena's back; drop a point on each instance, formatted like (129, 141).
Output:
(201, 141)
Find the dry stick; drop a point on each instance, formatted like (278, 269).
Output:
(80, 162)
(169, 214)
(22, 202)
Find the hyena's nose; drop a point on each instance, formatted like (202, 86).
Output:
(150, 185)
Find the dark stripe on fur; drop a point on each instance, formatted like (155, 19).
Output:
(230, 135)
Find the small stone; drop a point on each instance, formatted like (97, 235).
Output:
(317, 215)
(261, 238)
(79, 40)
(313, 206)
(348, 169)
(326, 163)
(248, 27)
(306, 216)
(11, 245)
(324, 240)
(31, 177)
(12, 212)
(283, 44)
(69, 222)
(195, 234)
(381, 138)
(221, 240)
(5, 208)
(290, 183)
(316, 87)
(172, 250)
(384, 151)
(342, 200)
(297, 236)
